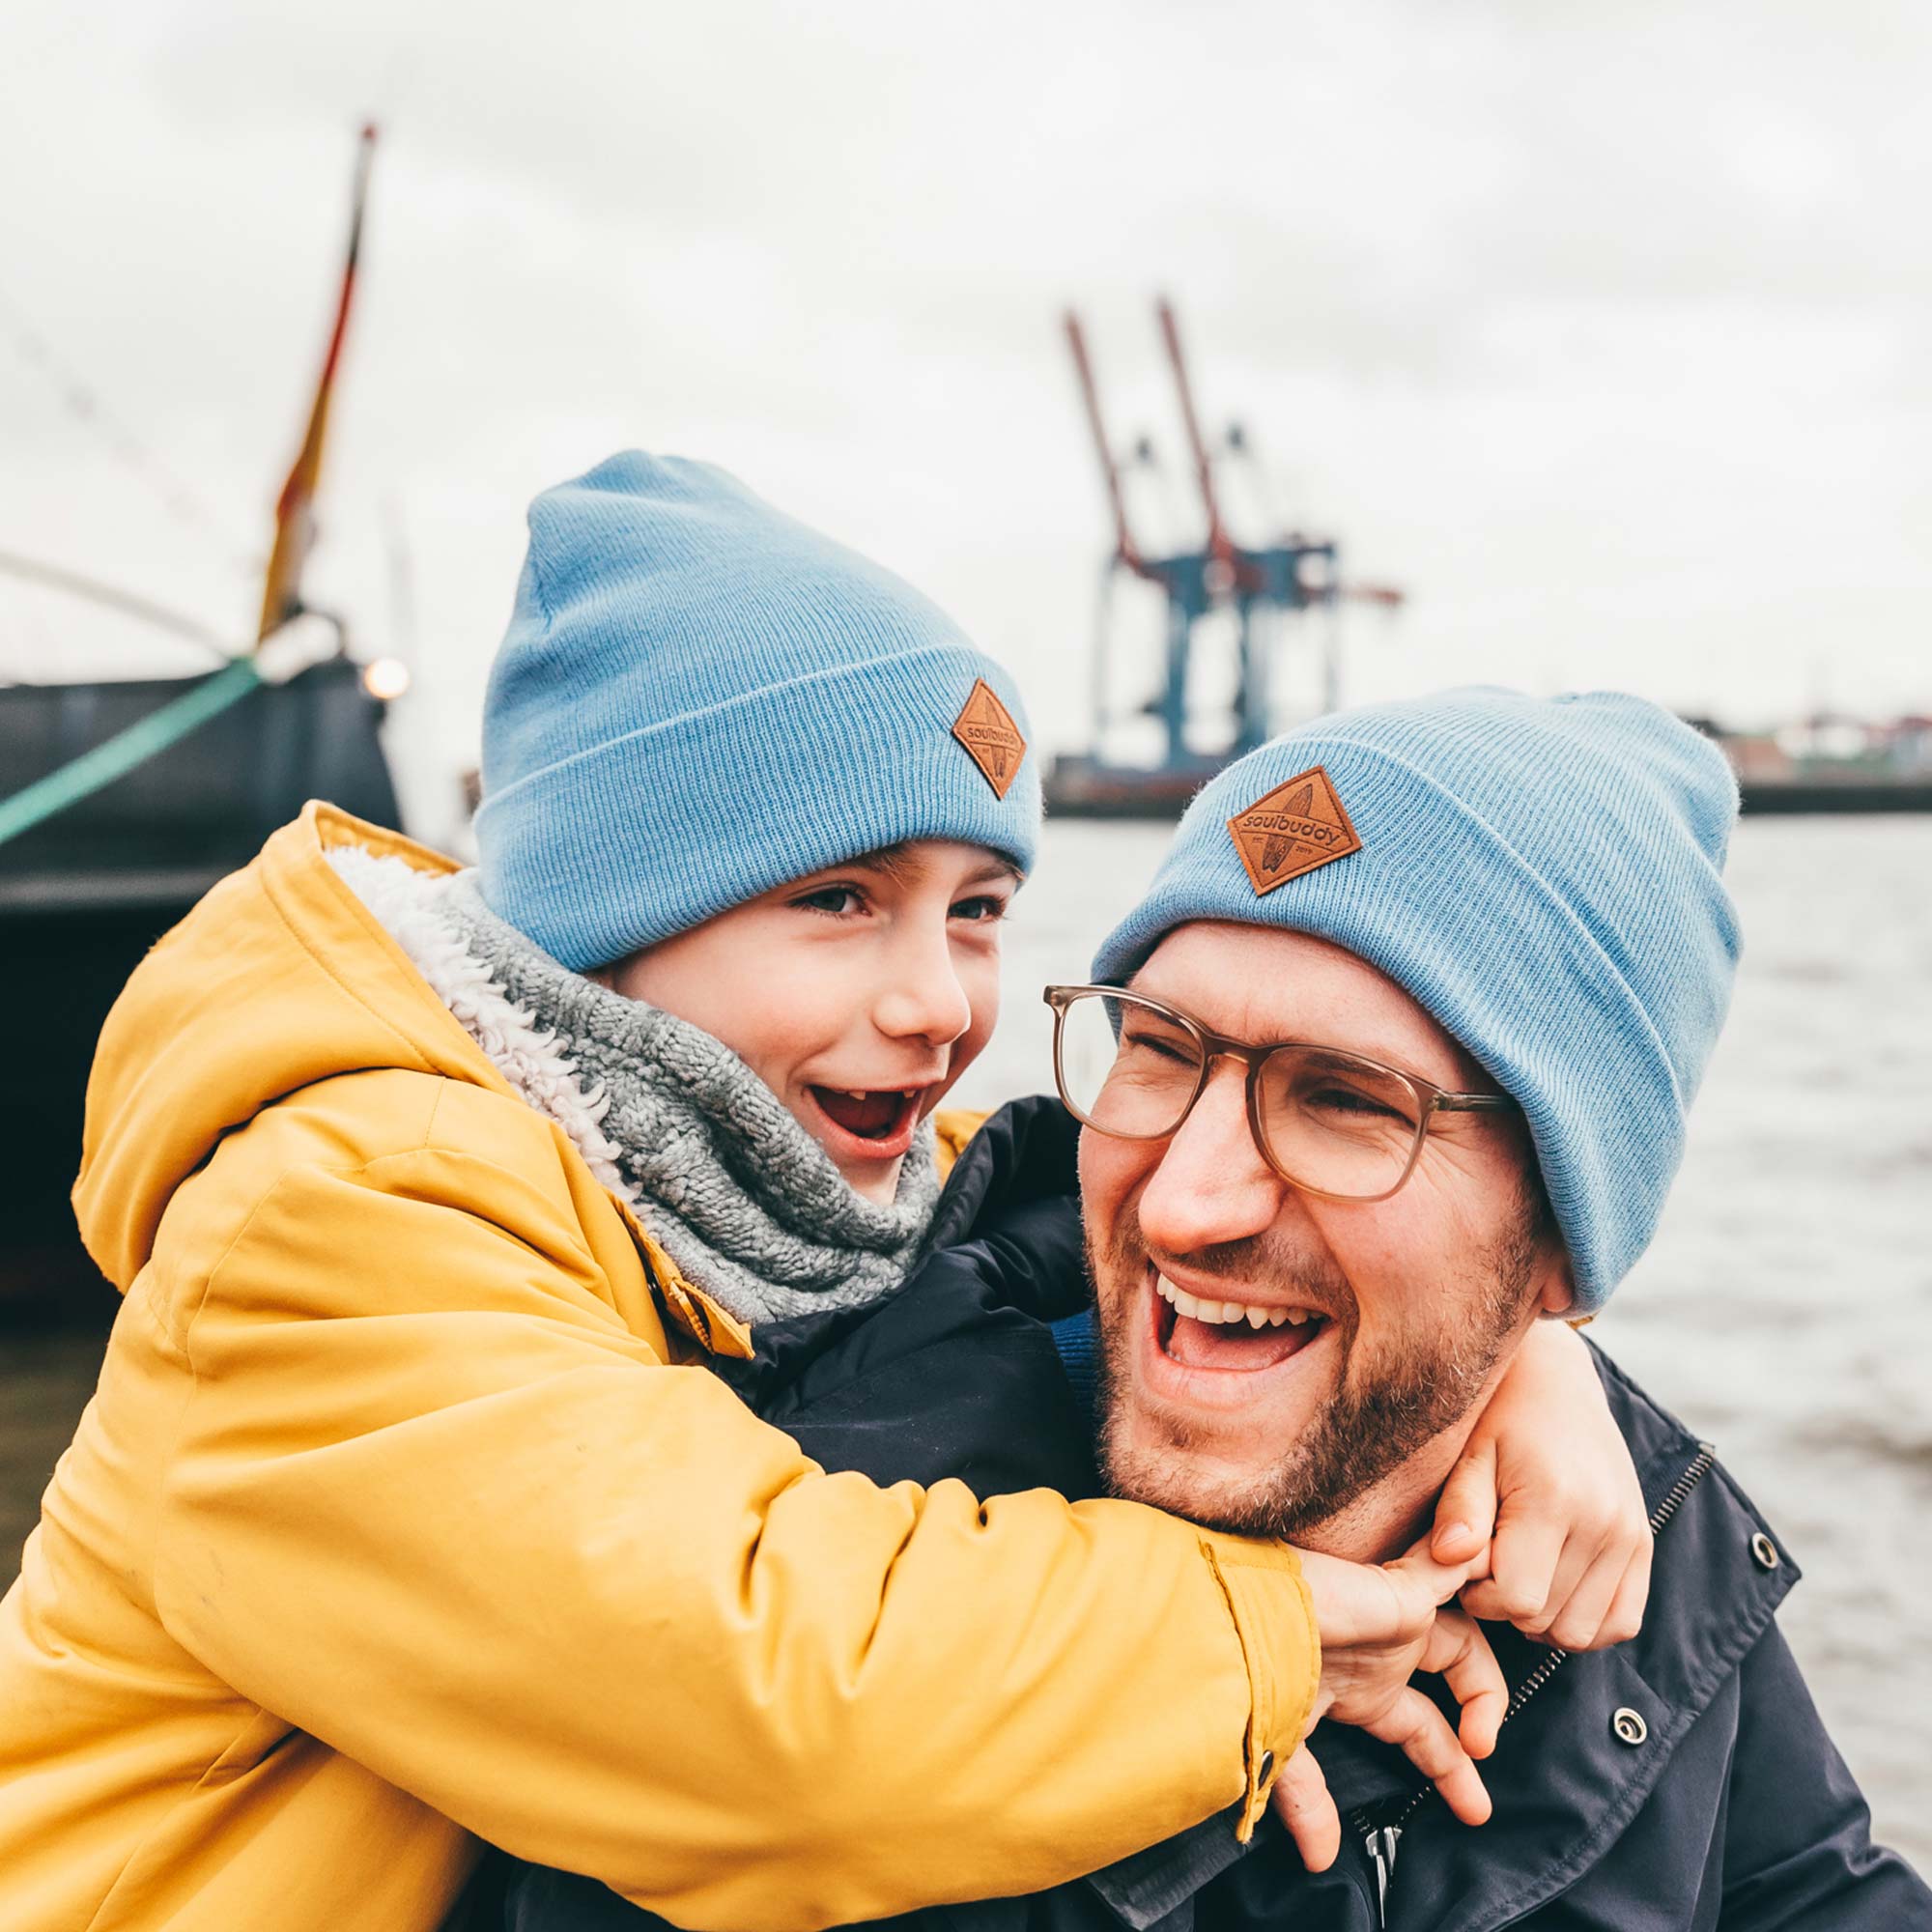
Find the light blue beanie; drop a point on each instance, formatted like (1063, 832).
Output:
(1542, 876)
(699, 698)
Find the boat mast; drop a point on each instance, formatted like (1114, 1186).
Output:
(294, 515)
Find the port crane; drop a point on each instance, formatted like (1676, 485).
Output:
(1291, 574)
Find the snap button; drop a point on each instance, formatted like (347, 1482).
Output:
(1628, 1726)
(1266, 1769)
(1765, 1550)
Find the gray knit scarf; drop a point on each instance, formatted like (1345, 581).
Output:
(743, 1199)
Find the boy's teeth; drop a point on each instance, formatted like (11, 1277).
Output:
(870, 1113)
(1228, 1312)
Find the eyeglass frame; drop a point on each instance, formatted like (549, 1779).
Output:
(1430, 1099)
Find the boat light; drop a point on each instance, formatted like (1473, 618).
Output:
(385, 679)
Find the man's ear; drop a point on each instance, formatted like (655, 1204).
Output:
(1557, 1294)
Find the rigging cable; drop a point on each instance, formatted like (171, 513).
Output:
(305, 641)
(83, 403)
(111, 597)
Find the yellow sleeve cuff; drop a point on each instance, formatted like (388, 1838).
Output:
(1274, 1618)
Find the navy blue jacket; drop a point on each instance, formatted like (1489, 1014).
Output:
(1682, 1780)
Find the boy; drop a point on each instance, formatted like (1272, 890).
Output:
(400, 1520)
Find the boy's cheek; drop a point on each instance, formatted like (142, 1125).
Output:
(983, 994)
(965, 1051)
(936, 1097)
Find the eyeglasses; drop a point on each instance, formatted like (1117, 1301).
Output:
(1330, 1121)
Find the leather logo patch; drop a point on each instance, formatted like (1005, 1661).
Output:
(992, 739)
(1295, 828)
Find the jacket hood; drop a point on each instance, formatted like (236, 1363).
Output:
(280, 977)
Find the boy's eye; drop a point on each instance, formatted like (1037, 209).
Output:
(835, 899)
(983, 909)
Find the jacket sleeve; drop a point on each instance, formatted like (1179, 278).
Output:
(432, 1503)
(1799, 1855)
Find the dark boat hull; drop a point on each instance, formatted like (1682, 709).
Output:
(84, 896)
(1078, 788)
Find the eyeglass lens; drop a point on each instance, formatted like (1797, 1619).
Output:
(1338, 1125)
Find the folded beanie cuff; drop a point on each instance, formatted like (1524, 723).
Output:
(557, 771)
(644, 836)
(1510, 965)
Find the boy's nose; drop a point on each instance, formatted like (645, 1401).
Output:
(1212, 1184)
(923, 997)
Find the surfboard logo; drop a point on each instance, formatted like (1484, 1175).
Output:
(1296, 827)
(991, 738)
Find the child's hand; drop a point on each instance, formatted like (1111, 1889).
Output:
(1547, 1473)
(1380, 1625)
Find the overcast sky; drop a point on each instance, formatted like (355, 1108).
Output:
(1605, 331)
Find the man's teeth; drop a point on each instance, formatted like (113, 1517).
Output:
(1230, 1311)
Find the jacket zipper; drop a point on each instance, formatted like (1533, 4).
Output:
(1381, 1840)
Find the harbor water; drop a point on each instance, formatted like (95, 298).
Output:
(1784, 1312)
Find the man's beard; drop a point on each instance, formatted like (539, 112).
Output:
(1389, 1403)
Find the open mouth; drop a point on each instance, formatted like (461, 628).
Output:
(1196, 1332)
(870, 1123)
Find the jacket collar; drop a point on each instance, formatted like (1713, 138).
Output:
(1565, 1780)
(1027, 1151)
(1571, 1770)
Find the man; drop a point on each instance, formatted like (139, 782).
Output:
(1391, 1062)
(1500, 924)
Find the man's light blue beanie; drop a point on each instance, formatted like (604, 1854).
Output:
(699, 698)
(1542, 876)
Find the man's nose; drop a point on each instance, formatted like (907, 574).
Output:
(1212, 1184)
(922, 997)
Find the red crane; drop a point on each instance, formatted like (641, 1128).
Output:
(1125, 550)
(1220, 545)
(1290, 574)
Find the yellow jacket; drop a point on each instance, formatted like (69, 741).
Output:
(402, 1519)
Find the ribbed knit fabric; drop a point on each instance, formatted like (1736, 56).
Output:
(1078, 1346)
(699, 698)
(1543, 878)
(743, 1199)
(746, 1203)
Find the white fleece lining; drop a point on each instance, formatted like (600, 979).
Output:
(403, 902)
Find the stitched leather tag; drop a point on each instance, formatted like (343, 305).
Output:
(1295, 828)
(992, 739)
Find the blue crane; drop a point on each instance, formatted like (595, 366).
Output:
(1288, 574)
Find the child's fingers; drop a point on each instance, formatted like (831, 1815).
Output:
(1579, 1621)
(1461, 1652)
(1420, 1580)
(1374, 1606)
(1625, 1616)
(1582, 1549)
(1302, 1802)
(1425, 1738)
(1465, 1513)
(1523, 1568)
(1483, 1600)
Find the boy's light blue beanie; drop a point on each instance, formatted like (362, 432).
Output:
(699, 698)
(1542, 876)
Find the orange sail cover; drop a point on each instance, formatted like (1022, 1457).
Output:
(294, 516)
